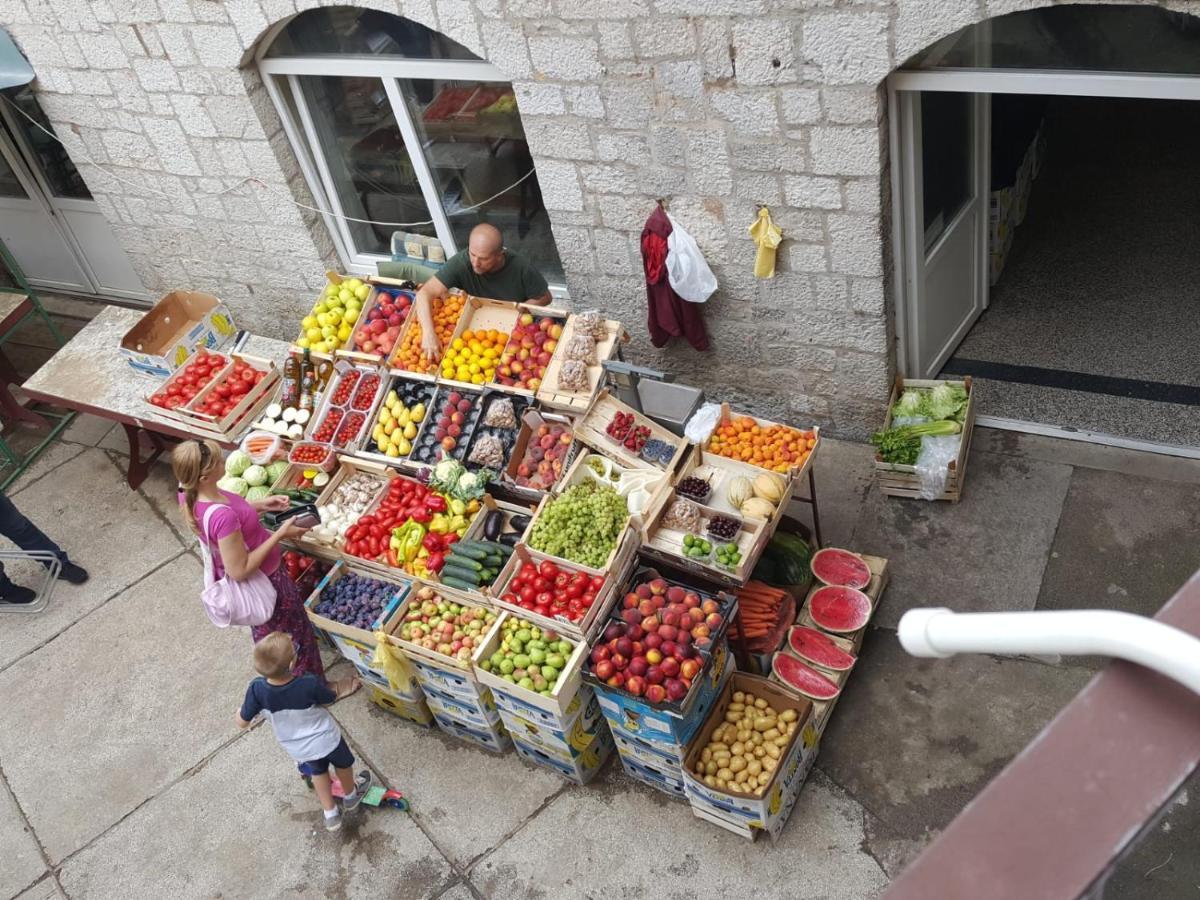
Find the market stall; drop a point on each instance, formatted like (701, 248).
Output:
(510, 553)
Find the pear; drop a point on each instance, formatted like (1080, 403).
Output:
(410, 431)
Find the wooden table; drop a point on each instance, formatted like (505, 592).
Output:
(91, 376)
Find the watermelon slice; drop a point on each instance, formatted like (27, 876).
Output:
(817, 647)
(840, 567)
(802, 677)
(839, 609)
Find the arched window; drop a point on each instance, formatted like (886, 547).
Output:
(395, 123)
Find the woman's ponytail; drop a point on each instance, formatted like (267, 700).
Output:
(192, 461)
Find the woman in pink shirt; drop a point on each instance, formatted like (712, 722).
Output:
(241, 546)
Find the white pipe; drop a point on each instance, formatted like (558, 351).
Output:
(941, 633)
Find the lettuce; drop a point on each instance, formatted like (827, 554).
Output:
(237, 462)
(234, 485)
(258, 492)
(255, 476)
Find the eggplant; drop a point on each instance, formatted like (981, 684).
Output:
(519, 523)
(510, 538)
(493, 524)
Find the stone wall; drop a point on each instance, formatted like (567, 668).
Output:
(713, 104)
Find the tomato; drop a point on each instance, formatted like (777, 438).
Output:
(543, 584)
(588, 599)
(548, 569)
(173, 402)
(529, 570)
(527, 593)
(248, 376)
(159, 399)
(560, 601)
(575, 590)
(597, 584)
(373, 545)
(511, 598)
(561, 581)
(173, 389)
(259, 376)
(544, 598)
(222, 390)
(543, 610)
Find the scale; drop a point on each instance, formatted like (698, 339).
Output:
(653, 393)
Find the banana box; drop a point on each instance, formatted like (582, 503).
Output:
(567, 741)
(413, 710)
(652, 753)
(447, 681)
(175, 328)
(580, 769)
(659, 778)
(494, 738)
(479, 713)
(514, 703)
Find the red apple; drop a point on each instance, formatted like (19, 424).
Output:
(643, 591)
(696, 614)
(700, 631)
(675, 593)
(635, 633)
(631, 616)
(600, 653)
(713, 621)
(650, 624)
(670, 618)
(683, 638)
(667, 631)
(613, 631)
(710, 606)
(691, 599)
(625, 646)
(630, 601)
(669, 648)
(619, 662)
(647, 608)
(658, 586)
(638, 665)
(616, 680)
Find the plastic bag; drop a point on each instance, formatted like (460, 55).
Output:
(687, 270)
(933, 465)
(393, 664)
(702, 423)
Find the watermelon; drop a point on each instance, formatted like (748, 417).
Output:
(839, 609)
(817, 647)
(840, 567)
(803, 677)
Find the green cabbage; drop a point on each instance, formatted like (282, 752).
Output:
(255, 476)
(234, 485)
(258, 492)
(237, 462)
(276, 469)
(946, 401)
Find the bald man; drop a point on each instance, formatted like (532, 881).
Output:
(485, 269)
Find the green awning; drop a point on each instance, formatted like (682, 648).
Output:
(14, 68)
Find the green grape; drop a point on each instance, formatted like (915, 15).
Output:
(583, 524)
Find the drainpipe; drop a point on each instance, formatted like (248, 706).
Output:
(940, 633)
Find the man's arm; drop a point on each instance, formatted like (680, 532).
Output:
(536, 288)
(543, 300)
(431, 290)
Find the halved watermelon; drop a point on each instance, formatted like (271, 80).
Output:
(817, 647)
(839, 609)
(840, 567)
(802, 677)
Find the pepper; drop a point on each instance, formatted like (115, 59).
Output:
(409, 535)
(435, 503)
(457, 524)
(392, 559)
(458, 507)
(435, 562)
(439, 524)
(419, 515)
(432, 542)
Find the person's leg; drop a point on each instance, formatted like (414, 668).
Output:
(27, 536)
(346, 777)
(291, 618)
(319, 771)
(324, 789)
(14, 593)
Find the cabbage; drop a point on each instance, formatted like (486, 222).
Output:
(237, 462)
(276, 469)
(255, 476)
(234, 485)
(258, 492)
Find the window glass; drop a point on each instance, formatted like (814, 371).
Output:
(475, 147)
(368, 162)
(346, 31)
(945, 158)
(9, 185)
(51, 156)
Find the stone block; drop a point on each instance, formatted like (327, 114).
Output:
(171, 144)
(234, 117)
(864, 195)
(559, 183)
(615, 146)
(813, 192)
(681, 84)
(920, 23)
(217, 46)
(248, 18)
(457, 21)
(584, 101)
(630, 104)
(615, 41)
(662, 180)
(537, 99)
(763, 52)
(176, 44)
(668, 143)
(750, 112)
(623, 213)
(566, 58)
(801, 106)
(757, 187)
(574, 246)
(768, 156)
(616, 9)
(606, 178)
(850, 47)
(127, 149)
(715, 49)
(858, 105)
(558, 140)
(794, 256)
(656, 38)
(102, 51)
(156, 75)
(855, 244)
(706, 8)
(841, 150)
(613, 253)
(506, 49)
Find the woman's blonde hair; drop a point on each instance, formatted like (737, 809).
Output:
(192, 462)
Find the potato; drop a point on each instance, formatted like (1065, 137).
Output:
(743, 736)
(754, 767)
(771, 734)
(737, 706)
(732, 716)
(720, 783)
(772, 751)
(748, 699)
(760, 703)
(737, 764)
(711, 767)
(764, 778)
(706, 754)
(741, 777)
(769, 764)
(718, 746)
(762, 723)
(788, 715)
(791, 727)
(722, 759)
(756, 739)
(760, 751)
(724, 774)
(710, 780)
(738, 697)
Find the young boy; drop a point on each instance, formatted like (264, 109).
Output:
(303, 728)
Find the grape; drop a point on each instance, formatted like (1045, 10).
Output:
(583, 524)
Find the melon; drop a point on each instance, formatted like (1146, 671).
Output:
(839, 609)
(769, 487)
(802, 677)
(840, 567)
(818, 648)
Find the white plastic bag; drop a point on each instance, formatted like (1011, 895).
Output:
(700, 426)
(933, 465)
(689, 274)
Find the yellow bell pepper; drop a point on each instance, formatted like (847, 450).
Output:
(440, 524)
(473, 507)
(457, 507)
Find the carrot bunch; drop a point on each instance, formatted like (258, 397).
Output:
(759, 609)
(258, 445)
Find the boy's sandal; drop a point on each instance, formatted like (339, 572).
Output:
(344, 687)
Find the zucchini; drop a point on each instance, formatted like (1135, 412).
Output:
(458, 583)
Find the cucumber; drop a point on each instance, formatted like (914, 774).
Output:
(462, 574)
(494, 561)
(469, 549)
(458, 583)
(465, 562)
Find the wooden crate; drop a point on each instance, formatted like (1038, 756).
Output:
(352, 350)
(409, 324)
(333, 278)
(728, 415)
(903, 481)
(347, 467)
(366, 448)
(538, 312)
(417, 653)
(550, 393)
(591, 430)
(486, 315)
(230, 426)
(531, 421)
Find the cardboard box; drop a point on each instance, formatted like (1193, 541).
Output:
(768, 810)
(653, 753)
(580, 769)
(658, 777)
(514, 705)
(455, 682)
(566, 740)
(474, 712)
(565, 688)
(178, 324)
(413, 710)
(495, 739)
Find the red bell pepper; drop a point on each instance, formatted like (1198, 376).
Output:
(420, 515)
(432, 542)
(435, 561)
(435, 503)
(392, 559)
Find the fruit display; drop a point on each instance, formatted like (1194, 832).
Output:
(743, 751)
(364, 395)
(803, 678)
(624, 429)
(818, 648)
(841, 568)
(325, 427)
(342, 419)
(757, 499)
(285, 421)
(504, 526)
(545, 455)
(654, 647)
(183, 386)
(839, 609)
(400, 416)
(348, 501)
(658, 451)
(379, 327)
(727, 556)
(497, 430)
(410, 357)
(775, 447)
(693, 488)
(473, 356)
(696, 547)
(529, 657)
(723, 528)
(449, 432)
(552, 591)
(331, 321)
(470, 565)
(528, 351)
(230, 390)
(343, 388)
(446, 628)
(583, 524)
(355, 600)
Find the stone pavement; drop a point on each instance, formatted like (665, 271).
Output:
(122, 773)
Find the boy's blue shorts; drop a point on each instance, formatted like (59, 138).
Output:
(340, 758)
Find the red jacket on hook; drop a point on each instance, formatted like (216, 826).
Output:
(669, 314)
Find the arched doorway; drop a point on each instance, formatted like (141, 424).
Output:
(400, 130)
(1046, 172)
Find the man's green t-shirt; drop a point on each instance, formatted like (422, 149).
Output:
(517, 281)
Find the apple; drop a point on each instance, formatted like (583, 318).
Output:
(714, 621)
(658, 586)
(669, 648)
(654, 641)
(612, 632)
(700, 631)
(670, 619)
(655, 675)
(616, 680)
(654, 657)
(696, 614)
(631, 616)
(619, 662)
(643, 591)
(635, 633)
(646, 608)
(675, 594)
(650, 624)
(600, 653)
(708, 607)
(630, 601)
(668, 632)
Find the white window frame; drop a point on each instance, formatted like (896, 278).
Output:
(282, 74)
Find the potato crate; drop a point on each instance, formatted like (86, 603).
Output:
(730, 417)
(592, 430)
(551, 393)
(228, 427)
(383, 290)
(902, 481)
